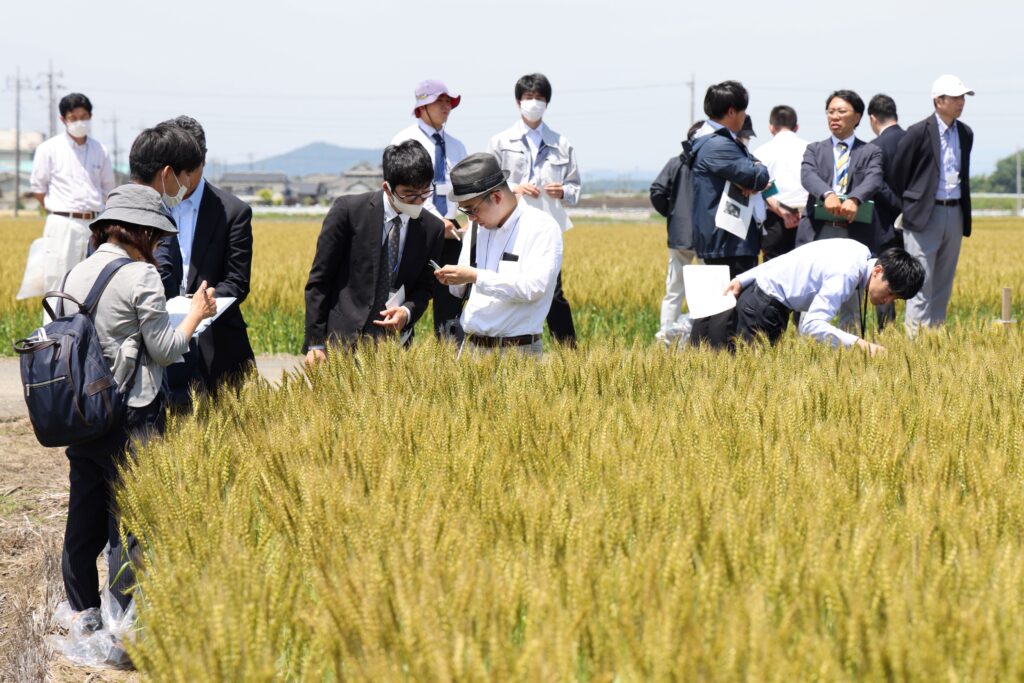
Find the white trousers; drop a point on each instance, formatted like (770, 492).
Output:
(67, 242)
(672, 304)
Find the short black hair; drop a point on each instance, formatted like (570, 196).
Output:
(849, 96)
(903, 272)
(538, 83)
(408, 164)
(165, 144)
(193, 127)
(783, 116)
(883, 108)
(720, 97)
(74, 101)
(694, 128)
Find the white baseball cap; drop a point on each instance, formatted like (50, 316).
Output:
(949, 85)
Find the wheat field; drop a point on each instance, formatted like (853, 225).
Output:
(618, 513)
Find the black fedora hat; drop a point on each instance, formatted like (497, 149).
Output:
(473, 176)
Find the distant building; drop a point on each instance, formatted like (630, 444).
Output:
(29, 141)
(314, 188)
(249, 185)
(363, 177)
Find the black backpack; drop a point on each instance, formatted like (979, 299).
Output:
(70, 390)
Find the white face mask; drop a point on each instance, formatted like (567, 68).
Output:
(171, 201)
(80, 128)
(410, 210)
(533, 110)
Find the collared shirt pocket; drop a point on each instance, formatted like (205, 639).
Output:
(509, 264)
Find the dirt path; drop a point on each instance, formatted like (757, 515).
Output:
(33, 505)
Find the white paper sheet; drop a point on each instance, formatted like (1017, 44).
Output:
(704, 286)
(179, 306)
(397, 298)
(734, 211)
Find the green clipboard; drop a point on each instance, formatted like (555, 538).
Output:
(865, 212)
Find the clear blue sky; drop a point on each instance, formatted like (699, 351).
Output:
(266, 77)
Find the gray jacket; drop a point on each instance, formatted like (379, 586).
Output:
(131, 312)
(556, 163)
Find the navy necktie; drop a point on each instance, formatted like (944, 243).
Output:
(440, 200)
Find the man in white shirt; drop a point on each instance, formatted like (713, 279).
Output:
(510, 267)
(71, 176)
(433, 105)
(782, 155)
(815, 279)
(543, 172)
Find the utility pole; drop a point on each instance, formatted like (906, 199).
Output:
(116, 151)
(1018, 180)
(51, 87)
(693, 97)
(17, 84)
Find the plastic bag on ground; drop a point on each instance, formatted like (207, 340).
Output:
(101, 647)
(33, 283)
(678, 333)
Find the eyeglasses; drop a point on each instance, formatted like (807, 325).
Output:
(414, 197)
(471, 212)
(837, 112)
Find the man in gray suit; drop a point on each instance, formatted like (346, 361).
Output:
(932, 174)
(842, 172)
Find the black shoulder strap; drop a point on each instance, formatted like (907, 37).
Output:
(60, 301)
(472, 258)
(472, 247)
(89, 305)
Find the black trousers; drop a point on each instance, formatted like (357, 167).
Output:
(560, 317)
(756, 313)
(737, 264)
(447, 308)
(92, 516)
(777, 239)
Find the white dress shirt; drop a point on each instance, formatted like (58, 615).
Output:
(815, 279)
(512, 298)
(75, 178)
(185, 215)
(403, 232)
(949, 161)
(455, 152)
(518, 152)
(783, 155)
(835, 158)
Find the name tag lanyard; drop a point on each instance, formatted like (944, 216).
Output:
(487, 249)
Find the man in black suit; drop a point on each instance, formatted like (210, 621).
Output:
(888, 133)
(372, 245)
(932, 175)
(214, 243)
(842, 172)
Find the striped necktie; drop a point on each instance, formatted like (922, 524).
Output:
(394, 241)
(842, 168)
(440, 200)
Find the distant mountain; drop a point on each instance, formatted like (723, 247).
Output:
(607, 181)
(316, 157)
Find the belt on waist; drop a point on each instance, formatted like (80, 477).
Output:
(85, 216)
(947, 202)
(766, 298)
(492, 342)
(837, 224)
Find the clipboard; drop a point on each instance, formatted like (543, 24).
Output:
(865, 212)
